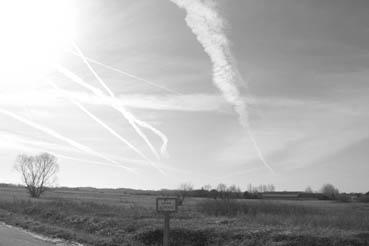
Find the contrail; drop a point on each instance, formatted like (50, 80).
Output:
(87, 161)
(57, 135)
(104, 125)
(52, 148)
(33, 149)
(114, 133)
(127, 74)
(75, 78)
(129, 116)
(208, 27)
(98, 93)
(163, 149)
(133, 122)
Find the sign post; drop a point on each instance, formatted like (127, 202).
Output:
(166, 229)
(166, 205)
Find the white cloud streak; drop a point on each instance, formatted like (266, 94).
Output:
(127, 115)
(61, 137)
(133, 121)
(99, 96)
(105, 126)
(13, 142)
(44, 98)
(208, 27)
(22, 142)
(130, 75)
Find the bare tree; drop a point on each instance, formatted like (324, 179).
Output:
(233, 192)
(38, 172)
(330, 191)
(271, 187)
(260, 188)
(249, 188)
(184, 189)
(309, 190)
(222, 190)
(206, 187)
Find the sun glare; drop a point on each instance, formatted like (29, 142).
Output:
(33, 36)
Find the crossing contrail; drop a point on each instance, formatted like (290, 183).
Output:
(59, 136)
(130, 75)
(129, 116)
(105, 126)
(75, 78)
(96, 91)
(208, 27)
(163, 149)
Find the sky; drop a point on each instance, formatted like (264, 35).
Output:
(301, 68)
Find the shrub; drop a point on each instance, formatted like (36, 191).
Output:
(222, 207)
(237, 207)
(364, 198)
(330, 191)
(251, 195)
(178, 236)
(343, 198)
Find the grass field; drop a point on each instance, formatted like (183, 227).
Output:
(110, 217)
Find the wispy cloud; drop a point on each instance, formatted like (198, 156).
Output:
(52, 133)
(51, 98)
(299, 133)
(208, 26)
(46, 98)
(19, 142)
(189, 102)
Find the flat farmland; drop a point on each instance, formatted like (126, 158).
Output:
(125, 217)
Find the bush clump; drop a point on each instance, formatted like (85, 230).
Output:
(343, 198)
(364, 198)
(178, 237)
(239, 207)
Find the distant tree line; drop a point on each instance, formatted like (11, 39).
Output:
(38, 173)
(224, 192)
(330, 192)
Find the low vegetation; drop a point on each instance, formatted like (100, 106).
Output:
(108, 217)
(87, 222)
(291, 213)
(364, 198)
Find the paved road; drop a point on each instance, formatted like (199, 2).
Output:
(10, 236)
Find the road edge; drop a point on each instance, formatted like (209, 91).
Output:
(56, 241)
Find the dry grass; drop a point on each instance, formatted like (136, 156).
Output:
(108, 217)
(297, 213)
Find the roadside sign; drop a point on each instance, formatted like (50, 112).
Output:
(166, 204)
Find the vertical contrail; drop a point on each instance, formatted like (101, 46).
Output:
(59, 136)
(129, 116)
(208, 27)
